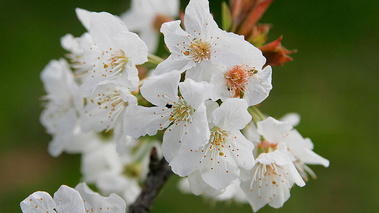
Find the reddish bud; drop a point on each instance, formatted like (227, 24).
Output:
(275, 53)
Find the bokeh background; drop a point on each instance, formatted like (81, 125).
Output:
(332, 83)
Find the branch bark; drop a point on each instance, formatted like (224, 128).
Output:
(159, 173)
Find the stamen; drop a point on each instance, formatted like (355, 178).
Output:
(237, 78)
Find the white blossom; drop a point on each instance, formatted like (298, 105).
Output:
(66, 200)
(202, 47)
(75, 47)
(63, 101)
(270, 181)
(184, 117)
(246, 79)
(93, 202)
(114, 53)
(281, 159)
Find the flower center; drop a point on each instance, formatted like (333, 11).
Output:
(266, 175)
(199, 50)
(181, 111)
(237, 78)
(116, 63)
(109, 106)
(217, 139)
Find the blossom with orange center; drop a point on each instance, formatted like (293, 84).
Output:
(237, 78)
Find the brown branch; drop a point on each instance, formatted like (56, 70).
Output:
(159, 173)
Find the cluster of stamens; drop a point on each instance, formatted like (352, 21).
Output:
(116, 63)
(181, 112)
(237, 78)
(198, 49)
(266, 176)
(218, 139)
(112, 62)
(110, 101)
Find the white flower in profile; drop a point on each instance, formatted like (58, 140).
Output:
(202, 47)
(66, 200)
(246, 79)
(63, 101)
(219, 161)
(271, 179)
(184, 116)
(75, 46)
(114, 53)
(146, 17)
(94, 202)
(301, 148)
(282, 155)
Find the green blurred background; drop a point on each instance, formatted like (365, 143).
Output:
(332, 82)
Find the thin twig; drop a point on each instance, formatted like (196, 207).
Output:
(159, 173)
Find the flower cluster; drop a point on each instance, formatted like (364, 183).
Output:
(79, 200)
(198, 107)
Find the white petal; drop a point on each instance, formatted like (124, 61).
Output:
(104, 159)
(172, 141)
(198, 17)
(57, 79)
(140, 121)
(219, 172)
(84, 17)
(198, 186)
(242, 150)
(202, 71)
(161, 89)
(104, 26)
(210, 106)
(302, 149)
(258, 87)
(174, 35)
(198, 131)
(133, 46)
(68, 200)
(252, 134)
(220, 90)
(232, 114)
(174, 62)
(38, 202)
(93, 201)
(231, 49)
(195, 93)
(292, 118)
(186, 161)
(273, 130)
